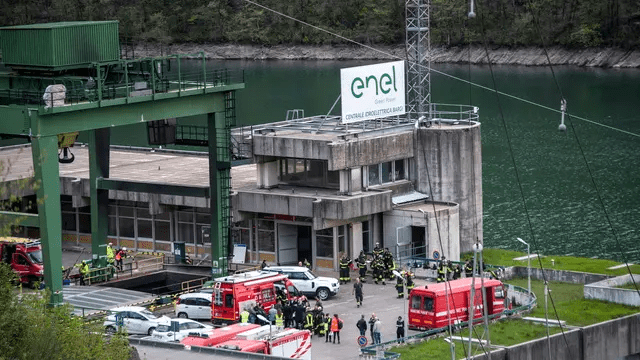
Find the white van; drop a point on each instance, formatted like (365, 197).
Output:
(309, 284)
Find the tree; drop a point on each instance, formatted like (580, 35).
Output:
(30, 329)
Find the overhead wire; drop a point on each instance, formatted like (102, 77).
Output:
(393, 56)
(584, 157)
(517, 173)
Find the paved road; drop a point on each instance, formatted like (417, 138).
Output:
(381, 299)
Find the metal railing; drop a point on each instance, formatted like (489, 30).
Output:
(124, 79)
(451, 113)
(379, 351)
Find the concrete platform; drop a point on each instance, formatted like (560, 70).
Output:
(532, 256)
(619, 266)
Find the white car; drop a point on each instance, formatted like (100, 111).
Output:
(307, 282)
(135, 319)
(194, 306)
(178, 329)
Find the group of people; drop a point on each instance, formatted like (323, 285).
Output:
(382, 265)
(116, 256)
(375, 328)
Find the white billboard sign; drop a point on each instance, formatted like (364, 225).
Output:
(372, 91)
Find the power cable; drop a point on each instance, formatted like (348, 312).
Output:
(575, 134)
(515, 167)
(437, 71)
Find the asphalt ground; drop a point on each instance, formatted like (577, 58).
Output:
(379, 299)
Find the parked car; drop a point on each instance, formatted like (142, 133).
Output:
(178, 329)
(135, 319)
(194, 306)
(307, 282)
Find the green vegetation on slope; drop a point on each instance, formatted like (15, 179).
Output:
(586, 23)
(596, 266)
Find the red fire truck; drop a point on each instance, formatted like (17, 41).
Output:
(235, 293)
(428, 304)
(25, 258)
(289, 343)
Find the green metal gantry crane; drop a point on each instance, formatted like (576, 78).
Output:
(68, 77)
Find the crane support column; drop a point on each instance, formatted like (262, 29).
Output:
(46, 169)
(219, 179)
(99, 168)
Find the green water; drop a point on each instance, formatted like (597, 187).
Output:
(565, 212)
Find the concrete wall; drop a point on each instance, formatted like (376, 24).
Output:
(606, 290)
(452, 157)
(448, 223)
(294, 145)
(554, 275)
(614, 339)
(369, 151)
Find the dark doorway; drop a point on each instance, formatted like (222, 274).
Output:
(304, 244)
(418, 247)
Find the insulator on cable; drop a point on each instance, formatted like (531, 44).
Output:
(563, 109)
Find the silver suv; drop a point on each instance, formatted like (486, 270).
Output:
(307, 282)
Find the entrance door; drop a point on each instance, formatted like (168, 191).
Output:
(304, 244)
(417, 241)
(287, 244)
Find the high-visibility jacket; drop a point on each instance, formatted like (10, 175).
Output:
(244, 316)
(110, 253)
(279, 320)
(308, 323)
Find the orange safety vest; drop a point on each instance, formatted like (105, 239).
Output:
(334, 324)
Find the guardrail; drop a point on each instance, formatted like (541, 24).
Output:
(379, 351)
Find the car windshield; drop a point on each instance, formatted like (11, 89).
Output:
(311, 275)
(148, 314)
(35, 256)
(163, 328)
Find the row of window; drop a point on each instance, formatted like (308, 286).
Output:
(128, 219)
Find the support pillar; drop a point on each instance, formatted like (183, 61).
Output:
(99, 168)
(220, 183)
(47, 176)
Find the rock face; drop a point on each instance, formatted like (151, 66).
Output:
(593, 57)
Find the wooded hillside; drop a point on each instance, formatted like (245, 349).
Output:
(569, 23)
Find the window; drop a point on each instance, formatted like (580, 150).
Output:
(342, 245)
(308, 173)
(228, 300)
(266, 236)
(399, 173)
(203, 302)
(22, 261)
(297, 276)
(415, 302)
(189, 301)
(84, 219)
(127, 227)
(387, 172)
(293, 291)
(428, 304)
(499, 293)
(324, 243)
(374, 179)
(163, 230)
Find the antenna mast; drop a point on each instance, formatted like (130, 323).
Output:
(418, 48)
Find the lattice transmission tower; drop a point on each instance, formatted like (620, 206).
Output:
(418, 47)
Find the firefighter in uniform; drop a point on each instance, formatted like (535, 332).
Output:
(468, 269)
(308, 322)
(344, 270)
(408, 276)
(442, 274)
(377, 251)
(362, 266)
(378, 270)
(389, 264)
(400, 285)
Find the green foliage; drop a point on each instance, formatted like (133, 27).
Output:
(29, 329)
(501, 22)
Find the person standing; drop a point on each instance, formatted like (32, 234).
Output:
(272, 315)
(362, 266)
(110, 254)
(327, 328)
(279, 319)
(400, 330)
(336, 326)
(362, 326)
(84, 272)
(244, 316)
(372, 321)
(377, 329)
(299, 315)
(263, 265)
(357, 290)
(400, 285)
